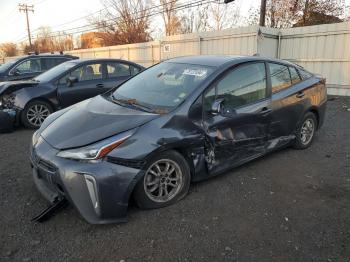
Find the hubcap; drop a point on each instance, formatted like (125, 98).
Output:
(307, 131)
(163, 180)
(36, 114)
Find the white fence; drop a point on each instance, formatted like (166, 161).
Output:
(322, 49)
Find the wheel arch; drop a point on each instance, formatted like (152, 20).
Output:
(42, 99)
(183, 151)
(314, 110)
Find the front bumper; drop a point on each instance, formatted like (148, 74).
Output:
(100, 191)
(7, 120)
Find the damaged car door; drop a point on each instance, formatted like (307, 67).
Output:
(81, 83)
(236, 117)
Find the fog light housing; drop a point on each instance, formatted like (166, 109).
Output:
(92, 188)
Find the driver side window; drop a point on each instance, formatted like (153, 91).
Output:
(28, 66)
(242, 85)
(84, 73)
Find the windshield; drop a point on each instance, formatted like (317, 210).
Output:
(162, 87)
(55, 71)
(8, 64)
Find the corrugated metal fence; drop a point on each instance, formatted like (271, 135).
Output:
(323, 49)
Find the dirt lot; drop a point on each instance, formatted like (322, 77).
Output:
(288, 206)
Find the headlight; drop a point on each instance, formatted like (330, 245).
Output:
(97, 150)
(35, 138)
(7, 101)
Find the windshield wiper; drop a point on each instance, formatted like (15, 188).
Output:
(133, 103)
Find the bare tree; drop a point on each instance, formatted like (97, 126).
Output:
(195, 20)
(123, 22)
(8, 49)
(224, 16)
(48, 41)
(322, 12)
(171, 20)
(288, 13)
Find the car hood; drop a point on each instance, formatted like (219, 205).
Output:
(92, 120)
(9, 87)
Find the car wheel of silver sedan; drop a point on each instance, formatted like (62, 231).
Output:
(166, 180)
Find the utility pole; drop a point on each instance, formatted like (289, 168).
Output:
(262, 12)
(27, 8)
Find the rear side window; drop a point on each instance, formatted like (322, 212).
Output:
(134, 70)
(50, 62)
(280, 77)
(304, 74)
(243, 85)
(294, 75)
(115, 70)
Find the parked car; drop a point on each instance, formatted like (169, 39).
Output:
(62, 86)
(183, 120)
(26, 67)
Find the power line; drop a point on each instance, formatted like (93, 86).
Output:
(100, 11)
(90, 27)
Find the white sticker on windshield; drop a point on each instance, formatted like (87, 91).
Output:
(195, 72)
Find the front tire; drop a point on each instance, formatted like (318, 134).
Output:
(166, 180)
(305, 133)
(34, 113)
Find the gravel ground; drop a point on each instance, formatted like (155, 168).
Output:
(288, 206)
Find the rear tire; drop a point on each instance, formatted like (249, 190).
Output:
(34, 113)
(305, 133)
(166, 180)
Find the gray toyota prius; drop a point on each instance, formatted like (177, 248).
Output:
(185, 119)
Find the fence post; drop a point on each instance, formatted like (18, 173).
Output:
(199, 45)
(152, 54)
(160, 50)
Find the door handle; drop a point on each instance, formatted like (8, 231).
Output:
(300, 95)
(100, 85)
(265, 111)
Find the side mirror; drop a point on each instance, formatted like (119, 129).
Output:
(15, 72)
(71, 80)
(216, 106)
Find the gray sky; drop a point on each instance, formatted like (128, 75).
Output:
(54, 13)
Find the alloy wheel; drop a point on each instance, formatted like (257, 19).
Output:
(163, 180)
(307, 131)
(36, 114)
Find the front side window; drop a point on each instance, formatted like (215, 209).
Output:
(163, 86)
(85, 73)
(28, 66)
(280, 77)
(241, 86)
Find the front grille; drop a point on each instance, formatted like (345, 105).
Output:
(128, 163)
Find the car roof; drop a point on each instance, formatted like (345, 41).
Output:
(218, 60)
(48, 55)
(82, 60)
